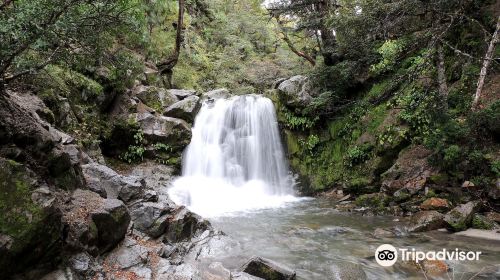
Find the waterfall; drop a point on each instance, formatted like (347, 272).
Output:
(235, 160)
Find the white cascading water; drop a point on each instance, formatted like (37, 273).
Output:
(235, 160)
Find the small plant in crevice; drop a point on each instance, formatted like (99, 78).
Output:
(358, 154)
(294, 122)
(135, 153)
(309, 143)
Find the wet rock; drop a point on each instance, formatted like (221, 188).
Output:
(435, 203)
(151, 218)
(268, 269)
(129, 255)
(216, 94)
(434, 267)
(111, 222)
(460, 217)
(106, 182)
(184, 225)
(154, 97)
(347, 271)
(382, 233)
(182, 93)
(296, 92)
(244, 276)
(481, 234)
(156, 175)
(185, 109)
(425, 221)
(171, 131)
(494, 216)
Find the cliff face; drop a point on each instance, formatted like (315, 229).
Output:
(375, 159)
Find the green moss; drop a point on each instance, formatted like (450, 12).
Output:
(20, 216)
(376, 200)
(481, 222)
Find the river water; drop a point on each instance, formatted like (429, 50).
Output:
(236, 175)
(313, 238)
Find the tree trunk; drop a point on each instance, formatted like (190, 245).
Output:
(441, 73)
(166, 67)
(297, 52)
(486, 63)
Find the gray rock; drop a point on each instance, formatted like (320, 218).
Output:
(80, 263)
(112, 222)
(182, 93)
(155, 97)
(244, 276)
(268, 269)
(216, 94)
(426, 220)
(296, 92)
(185, 109)
(172, 131)
(184, 225)
(347, 271)
(151, 218)
(128, 255)
(460, 217)
(105, 181)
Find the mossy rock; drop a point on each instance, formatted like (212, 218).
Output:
(481, 222)
(34, 231)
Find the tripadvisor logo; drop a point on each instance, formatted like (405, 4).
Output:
(387, 255)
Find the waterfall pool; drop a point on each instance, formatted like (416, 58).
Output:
(313, 238)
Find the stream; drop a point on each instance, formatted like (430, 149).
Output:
(235, 174)
(314, 239)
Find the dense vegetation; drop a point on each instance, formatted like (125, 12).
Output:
(388, 74)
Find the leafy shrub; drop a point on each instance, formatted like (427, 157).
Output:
(135, 153)
(358, 154)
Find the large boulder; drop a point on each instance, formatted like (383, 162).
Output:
(95, 224)
(268, 269)
(30, 221)
(435, 203)
(109, 184)
(426, 220)
(460, 217)
(171, 131)
(184, 225)
(111, 221)
(215, 94)
(154, 97)
(296, 92)
(409, 174)
(151, 218)
(185, 109)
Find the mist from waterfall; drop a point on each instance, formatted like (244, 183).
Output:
(235, 161)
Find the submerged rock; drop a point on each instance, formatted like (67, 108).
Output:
(268, 269)
(460, 217)
(347, 271)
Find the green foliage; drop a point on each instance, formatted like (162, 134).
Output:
(135, 153)
(295, 122)
(451, 155)
(390, 51)
(310, 143)
(358, 154)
